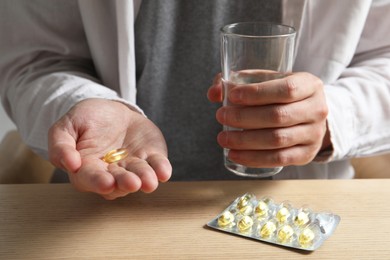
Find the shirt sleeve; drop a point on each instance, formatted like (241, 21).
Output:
(359, 100)
(45, 66)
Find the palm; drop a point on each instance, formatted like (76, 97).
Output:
(98, 126)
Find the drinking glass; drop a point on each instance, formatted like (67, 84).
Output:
(253, 52)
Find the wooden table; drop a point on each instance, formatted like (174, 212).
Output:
(53, 221)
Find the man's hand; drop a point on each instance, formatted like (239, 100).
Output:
(283, 120)
(93, 127)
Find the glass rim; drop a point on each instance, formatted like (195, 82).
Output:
(224, 31)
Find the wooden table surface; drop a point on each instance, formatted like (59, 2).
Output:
(53, 221)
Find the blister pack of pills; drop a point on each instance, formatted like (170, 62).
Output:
(278, 223)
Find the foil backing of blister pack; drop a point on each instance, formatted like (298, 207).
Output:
(277, 223)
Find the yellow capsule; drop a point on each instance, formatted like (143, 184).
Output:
(261, 209)
(247, 210)
(226, 219)
(245, 224)
(244, 205)
(285, 234)
(306, 237)
(243, 201)
(282, 214)
(301, 219)
(115, 155)
(268, 229)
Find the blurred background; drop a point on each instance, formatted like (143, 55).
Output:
(18, 164)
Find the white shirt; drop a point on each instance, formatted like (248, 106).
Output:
(50, 64)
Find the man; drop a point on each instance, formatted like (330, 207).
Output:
(74, 68)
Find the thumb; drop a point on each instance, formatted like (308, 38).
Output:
(62, 150)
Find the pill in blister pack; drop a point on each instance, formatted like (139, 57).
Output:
(278, 223)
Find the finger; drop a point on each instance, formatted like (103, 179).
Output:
(93, 177)
(115, 195)
(70, 158)
(144, 171)
(272, 116)
(296, 155)
(214, 93)
(161, 166)
(126, 182)
(62, 150)
(286, 90)
(267, 139)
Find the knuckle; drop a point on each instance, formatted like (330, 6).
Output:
(291, 88)
(258, 90)
(279, 138)
(323, 112)
(282, 158)
(280, 115)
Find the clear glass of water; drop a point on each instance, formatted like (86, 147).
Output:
(253, 52)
